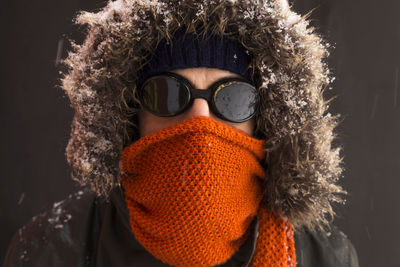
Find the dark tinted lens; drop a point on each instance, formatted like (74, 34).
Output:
(164, 96)
(236, 101)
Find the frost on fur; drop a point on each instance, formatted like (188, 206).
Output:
(289, 70)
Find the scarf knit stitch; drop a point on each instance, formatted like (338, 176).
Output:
(202, 217)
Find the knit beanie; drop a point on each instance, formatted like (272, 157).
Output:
(193, 50)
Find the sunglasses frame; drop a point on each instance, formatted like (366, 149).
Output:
(208, 94)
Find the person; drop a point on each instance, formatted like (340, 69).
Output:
(200, 130)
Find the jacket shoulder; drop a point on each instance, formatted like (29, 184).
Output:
(324, 248)
(55, 235)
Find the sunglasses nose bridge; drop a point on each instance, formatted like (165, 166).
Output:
(199, 93)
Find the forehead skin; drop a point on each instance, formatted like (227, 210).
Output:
(201, 78)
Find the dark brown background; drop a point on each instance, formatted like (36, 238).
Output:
(35, 115)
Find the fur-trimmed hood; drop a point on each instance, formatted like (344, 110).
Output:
(290, 73)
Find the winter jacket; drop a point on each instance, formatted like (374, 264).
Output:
(85, 230)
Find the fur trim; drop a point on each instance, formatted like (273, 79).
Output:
(288, 59)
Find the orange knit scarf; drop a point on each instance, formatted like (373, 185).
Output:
(193, 189)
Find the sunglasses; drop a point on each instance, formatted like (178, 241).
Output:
(169, 94)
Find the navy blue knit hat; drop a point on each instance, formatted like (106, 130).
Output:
(191, 50)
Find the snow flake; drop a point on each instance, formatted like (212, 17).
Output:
(200, 12)
(67, 218)
(56, 204)
(58, 226)
(249, 14)
(23, 255)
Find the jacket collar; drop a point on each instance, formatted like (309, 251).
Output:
(116, 230)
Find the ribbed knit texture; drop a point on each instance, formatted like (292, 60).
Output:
(193, 189)
(193, 51)
(275, 242)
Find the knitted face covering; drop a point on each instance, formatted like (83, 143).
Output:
(193, 189)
